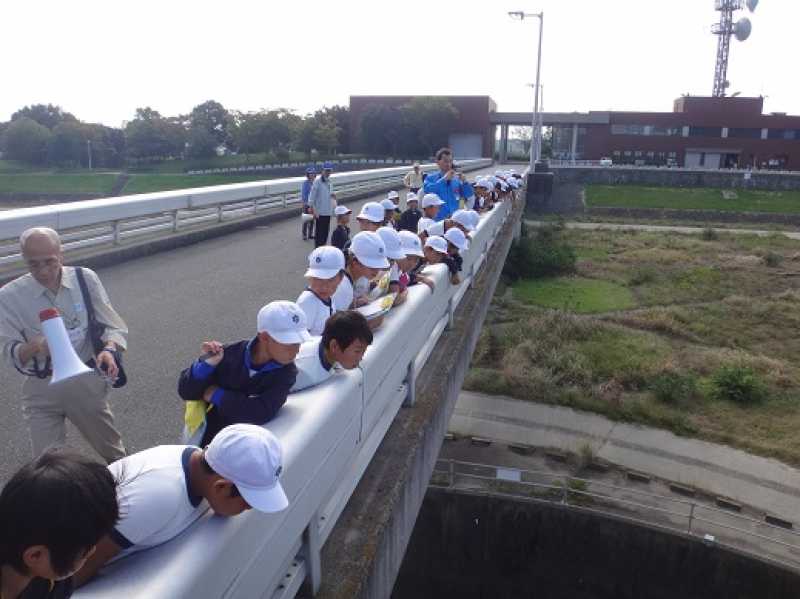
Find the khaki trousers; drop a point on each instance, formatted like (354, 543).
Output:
(82, 399)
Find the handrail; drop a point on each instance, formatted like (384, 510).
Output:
(330, 433)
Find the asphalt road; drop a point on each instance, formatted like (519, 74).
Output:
(171, 302)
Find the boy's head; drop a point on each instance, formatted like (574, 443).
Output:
(242, 466)
(346, 337)
(463, 220)
(342, 215)
(388, 209)
(371, 216)
(311, 172)
(325, 266)
(412, 248)
(53, 512)
(412, 200)
(391, 240)
(430, 205)
(435, 249)
(282, 327)
(368, 255)
(456, 241)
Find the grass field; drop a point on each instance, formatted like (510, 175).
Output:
(630, 196)
(57, 183)
(647, 329)
(152, 183)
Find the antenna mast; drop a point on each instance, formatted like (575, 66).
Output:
(726, 28)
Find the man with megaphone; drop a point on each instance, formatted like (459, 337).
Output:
(57, 385)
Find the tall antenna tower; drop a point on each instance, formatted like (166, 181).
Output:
(726, 28)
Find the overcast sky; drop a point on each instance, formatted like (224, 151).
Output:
(102, 59)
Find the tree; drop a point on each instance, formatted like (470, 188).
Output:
(47, 115)
(202, 143)
(430, 121)
(327, 134)
(68, 145)
(212, 118)
(524, 135)
(340, 114)
(151, 136)
(27, 141)
(265, 131)
(381, 129)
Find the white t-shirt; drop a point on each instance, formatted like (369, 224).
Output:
(317, 311)
(424, 223)
(310, 369)
(155, 503)
(343, 296)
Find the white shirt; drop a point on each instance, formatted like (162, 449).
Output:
(317, 311)
(343, 296)
(424, 223)
(155, 504)
(310, 369)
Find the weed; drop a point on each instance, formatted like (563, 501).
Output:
(642, 276)
(739, 384)
(673, 388)
(709, 234)
(773, 260)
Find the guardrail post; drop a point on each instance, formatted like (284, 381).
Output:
(564, 494)
(312, 546)
(691, 519)
(115, 228)
(255, 205)
(175, 221)
(450, 313)
(451, 467)
(284, 200)
(219, 213)
(411, 386)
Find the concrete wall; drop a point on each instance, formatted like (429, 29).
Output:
(673, 177)
(479, 546)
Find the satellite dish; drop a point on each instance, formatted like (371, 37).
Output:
(751, 4)
(742, 29)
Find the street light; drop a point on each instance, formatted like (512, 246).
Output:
(535, 147)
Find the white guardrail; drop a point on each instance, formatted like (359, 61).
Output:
(112, 221)
(329, 433)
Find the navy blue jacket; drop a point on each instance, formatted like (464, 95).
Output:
(241, 397)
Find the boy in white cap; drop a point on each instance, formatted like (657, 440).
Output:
(165, 489)
(412, 264)
(430, 208)
(246, 381)
(409, 219)
(389, 212)
(389, 282)
(436, 253)
(344, 340)
(325, 272)
(460, 220)
(341, 234)
(367, 257)
(371, 216)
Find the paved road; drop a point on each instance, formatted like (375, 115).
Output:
(171, 301)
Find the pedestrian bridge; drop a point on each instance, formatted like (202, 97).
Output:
(359, 449)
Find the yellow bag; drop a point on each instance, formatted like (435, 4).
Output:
(194, 415)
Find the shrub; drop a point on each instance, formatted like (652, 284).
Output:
(739, 384)
(709, 234)
(545, 254)
(773, 260)
(673, 387)
(642, 276)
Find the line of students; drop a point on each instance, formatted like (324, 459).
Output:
(229, 462)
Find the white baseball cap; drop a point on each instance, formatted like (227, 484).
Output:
(391, 240)
(456, 236)
(388, 204)
(463, 219)
(431, 199)
(411, 197)
(485, 183)
(438, 244)
(411, 244)
(474, 217)
(373, 212)
(325, 262)
(340, 210)
(370, 250)
(284, 321)
(250, 457)
(393, 195)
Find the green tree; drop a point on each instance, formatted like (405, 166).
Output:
(151, 136)
(212, 118)
(27, 141)
(202, 143)
(381, 130)
(68, 146)
(265, 131)
(47, 115)
(428, 123)
(327, 134)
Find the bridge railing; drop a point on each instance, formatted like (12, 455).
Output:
(330, 433)
(114, 221)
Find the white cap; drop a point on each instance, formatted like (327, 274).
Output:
(284, 321)
(250, 457)
(393, 195)
(411, 197)
(456, 236)
(437, 243)
(340, 210)
(411, 244)
(485, 183)
(474, 217)
(431, 199)
(373, 212)
(370, 250)
(388, 204)
(463, 219)
(391, 240)
(325, 262)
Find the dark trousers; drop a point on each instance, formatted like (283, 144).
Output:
(308, 227)
(323, 227)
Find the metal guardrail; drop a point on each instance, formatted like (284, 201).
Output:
(645, 167)
(330, 433)
(731, 529)
(245, 168)
(114, 221)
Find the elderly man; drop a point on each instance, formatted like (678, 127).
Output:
(413, 178)
(82, 399)
(447, 184)
(321, 201)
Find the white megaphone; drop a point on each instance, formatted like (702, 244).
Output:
(66, 363)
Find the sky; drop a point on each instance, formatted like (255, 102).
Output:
(101, 60)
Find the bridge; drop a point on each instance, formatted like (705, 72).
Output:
(359, 450)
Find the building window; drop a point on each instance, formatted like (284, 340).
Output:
(638, 154)
(783, 134)
(628, 153)
(655, 130)
(706, 132)
(627, 129)
(616, 153)
(743, 133)
(673, 155)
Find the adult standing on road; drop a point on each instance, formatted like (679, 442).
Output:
(82, 399)
(447, 183)
(321, 203)
(413, 178)
(305, 191)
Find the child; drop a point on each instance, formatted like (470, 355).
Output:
(410, 218)
(341, 234)
(246, 381)
(171, 486)
(367, 257)
(53, 512)
(412, 264)
(430, 208)
(325, 267)
(436, 253)
(344, 341)
(389, 211)
(456, 244)
(371, 216)
(390, 281)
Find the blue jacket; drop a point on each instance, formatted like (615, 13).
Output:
(245, 394)
(306, 191)
(448, 192)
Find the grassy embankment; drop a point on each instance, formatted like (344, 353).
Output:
(698, 335)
